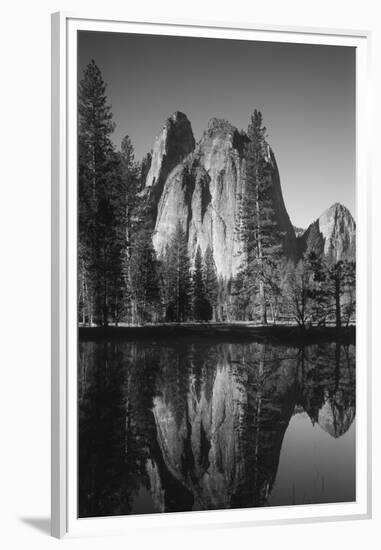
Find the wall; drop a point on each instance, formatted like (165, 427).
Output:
(25, 269)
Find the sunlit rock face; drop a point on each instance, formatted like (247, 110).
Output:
(204, 193)
(332, 235)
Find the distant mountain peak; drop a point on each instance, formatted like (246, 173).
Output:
(332, 235)
(338, 207)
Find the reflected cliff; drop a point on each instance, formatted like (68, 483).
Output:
(176, 426)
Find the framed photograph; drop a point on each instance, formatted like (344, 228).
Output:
(210, 275)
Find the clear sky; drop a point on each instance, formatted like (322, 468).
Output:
(306, 94)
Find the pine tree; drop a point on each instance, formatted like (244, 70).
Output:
(258, 226)
(128, 155)
(101, 204)
(176, 278)
(130, 176)
(202, 309)
(225, 299)
(341, 288)
(333, 290)
(275, 282)
(242, 300)
(198, 287)
(167, 277)
(144, 278)
(210, 280)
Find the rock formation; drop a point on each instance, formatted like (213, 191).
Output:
(202, 188)
(333, 235)
(174, 142)
(203, 191)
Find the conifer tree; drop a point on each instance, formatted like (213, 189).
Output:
(198, 288)
(144, 278)
(258, 226)
(341, 288)
(130, 176)
(101, 203)
(211, 280)
(176, 278)
(242, 297)
(333, 289)
(202, 309)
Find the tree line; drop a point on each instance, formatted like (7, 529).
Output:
(120, 276)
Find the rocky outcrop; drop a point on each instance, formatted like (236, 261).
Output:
(332, 235)
(174, 142)
(204, 193)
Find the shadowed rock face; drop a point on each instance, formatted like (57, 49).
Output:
(204, 192)
(333, 235)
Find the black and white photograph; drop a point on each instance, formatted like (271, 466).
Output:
(216, 269)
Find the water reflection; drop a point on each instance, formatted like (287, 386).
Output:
(166, 426)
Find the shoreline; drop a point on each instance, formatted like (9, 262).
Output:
(282, 334)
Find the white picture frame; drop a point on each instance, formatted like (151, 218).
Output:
(64, 317)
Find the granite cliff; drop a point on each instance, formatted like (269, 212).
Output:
(202, 187)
